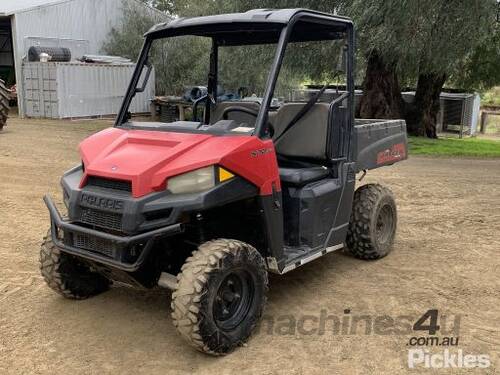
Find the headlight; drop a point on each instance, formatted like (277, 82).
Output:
(198, 180)
(193, 182)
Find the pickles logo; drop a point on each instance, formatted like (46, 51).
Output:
(446, 359)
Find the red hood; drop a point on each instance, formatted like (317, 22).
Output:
(149, 158)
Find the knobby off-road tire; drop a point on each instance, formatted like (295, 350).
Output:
(4, 104)
(66, 275)
(373, 222)
(220, 295)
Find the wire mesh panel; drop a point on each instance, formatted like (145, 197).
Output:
(452, 112)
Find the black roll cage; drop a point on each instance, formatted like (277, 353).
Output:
(328, 26)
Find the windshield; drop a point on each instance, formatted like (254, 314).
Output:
(203, 86)
(244, 70)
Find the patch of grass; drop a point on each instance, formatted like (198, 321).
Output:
(491, 97)
(472, 147)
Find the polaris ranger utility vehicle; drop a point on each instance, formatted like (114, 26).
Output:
(208, 207)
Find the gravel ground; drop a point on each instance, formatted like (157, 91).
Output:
(446, 256)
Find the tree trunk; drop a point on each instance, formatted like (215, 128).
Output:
(422, 118)
(381, 92)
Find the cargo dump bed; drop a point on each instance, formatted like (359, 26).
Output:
(378, 143)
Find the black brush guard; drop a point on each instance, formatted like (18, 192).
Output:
(57, 223)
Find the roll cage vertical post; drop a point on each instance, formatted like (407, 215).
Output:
(131, 90)
(272, 78)
(212, 79)
(350, 69)
(261, 121)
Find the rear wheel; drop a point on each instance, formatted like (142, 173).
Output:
(220, 295)
(372, 227)
(66, 275)
(4, 104)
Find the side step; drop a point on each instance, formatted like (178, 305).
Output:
(169, 281)
(300, 261)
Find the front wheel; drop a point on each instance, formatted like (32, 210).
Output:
(220, 295)
(66, 275)
(372, 227)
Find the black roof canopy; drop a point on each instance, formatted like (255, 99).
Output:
(256, 26)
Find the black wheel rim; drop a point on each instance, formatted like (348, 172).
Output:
(385, 224)
(233, 299)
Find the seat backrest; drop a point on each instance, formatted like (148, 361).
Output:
(239, 117)
(308, 137)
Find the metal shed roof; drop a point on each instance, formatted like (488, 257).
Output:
(10, 7)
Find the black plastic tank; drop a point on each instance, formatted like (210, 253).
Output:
(57, 54)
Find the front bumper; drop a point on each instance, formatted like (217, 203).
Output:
(126, 253)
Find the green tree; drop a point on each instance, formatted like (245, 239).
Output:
(481, 68)
(127, 38)
(416, 42)
(169, 57)
(170, 7)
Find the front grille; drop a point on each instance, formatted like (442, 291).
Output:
(109, 184)
(91, 243)
(101, 219)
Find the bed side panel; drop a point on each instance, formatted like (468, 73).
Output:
(379, 143)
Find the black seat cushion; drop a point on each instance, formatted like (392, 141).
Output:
(302, 176)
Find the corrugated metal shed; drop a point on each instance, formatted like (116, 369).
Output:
(82, 23)
(10, 7)
(457, 110)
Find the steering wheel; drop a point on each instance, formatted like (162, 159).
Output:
(198, 101)
(248, 111)
(228, 110)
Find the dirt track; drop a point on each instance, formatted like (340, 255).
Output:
(446, 256)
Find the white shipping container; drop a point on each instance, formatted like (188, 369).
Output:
(69, 90)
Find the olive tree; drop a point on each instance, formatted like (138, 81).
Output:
(170, 57)
(419, 43)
